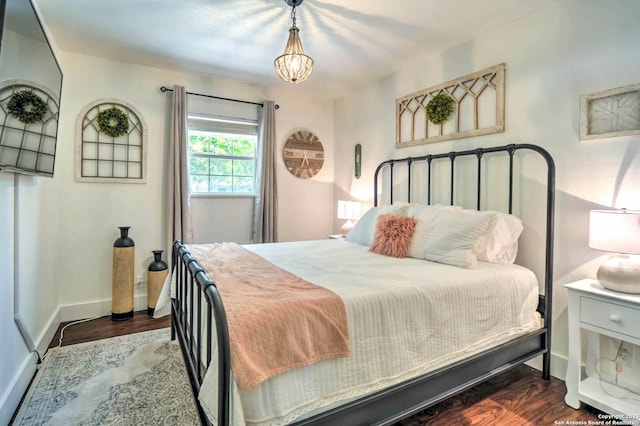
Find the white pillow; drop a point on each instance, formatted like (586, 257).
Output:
(417, 210)
(403, 205)
(365, 229)
(455, 237)
(501, 245)
(425, 215)
(418, 243)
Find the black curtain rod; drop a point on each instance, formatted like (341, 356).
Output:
(166, 89)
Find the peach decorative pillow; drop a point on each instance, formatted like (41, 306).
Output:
(393, 235)
(365, 228)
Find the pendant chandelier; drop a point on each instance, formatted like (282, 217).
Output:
(293, 66)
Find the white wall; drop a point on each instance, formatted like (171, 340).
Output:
(67, 228)
(305, 206)
(24, 58)
(553, 56)
(18, 366)
(236, 213)
(28, 223)
(89, 213)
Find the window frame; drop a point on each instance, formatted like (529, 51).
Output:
(218, 125)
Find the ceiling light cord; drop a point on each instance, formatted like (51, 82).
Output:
(293, 12)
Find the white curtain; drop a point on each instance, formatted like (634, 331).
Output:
(178, 210)
(265, 217)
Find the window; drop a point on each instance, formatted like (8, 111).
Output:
(222, 155)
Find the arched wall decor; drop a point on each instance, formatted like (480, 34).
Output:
(478, 109)
(104, 158)
(28, 147)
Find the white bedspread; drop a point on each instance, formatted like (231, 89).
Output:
(406, 317)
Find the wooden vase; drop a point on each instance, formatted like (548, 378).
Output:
(156, 275)
(123, 276)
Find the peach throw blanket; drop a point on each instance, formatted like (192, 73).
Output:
(277, 320)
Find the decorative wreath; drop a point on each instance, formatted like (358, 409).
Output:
(27, 107)
(113, 122)
(439, 108)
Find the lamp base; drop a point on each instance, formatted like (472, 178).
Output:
(621, 273)
(346, 228)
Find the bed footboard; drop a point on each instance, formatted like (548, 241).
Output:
(192, 323)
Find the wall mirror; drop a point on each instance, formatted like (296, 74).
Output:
(30, 89)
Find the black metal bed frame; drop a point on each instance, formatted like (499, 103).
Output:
(396, 402)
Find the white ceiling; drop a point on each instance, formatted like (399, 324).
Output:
(352, 42)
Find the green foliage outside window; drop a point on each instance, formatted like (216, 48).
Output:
(221, 144)
(222, 163)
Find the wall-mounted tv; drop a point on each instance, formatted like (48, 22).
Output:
(30, 89)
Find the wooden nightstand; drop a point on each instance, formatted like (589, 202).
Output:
(600, 312)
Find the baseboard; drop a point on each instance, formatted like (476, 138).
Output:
(11, 399)
(558, 365)
(42, 344)
(96, 308)
(20, 383)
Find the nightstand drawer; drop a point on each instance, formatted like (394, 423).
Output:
(610, 316)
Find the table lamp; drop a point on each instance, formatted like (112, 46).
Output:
(349, 210)
(617, 231)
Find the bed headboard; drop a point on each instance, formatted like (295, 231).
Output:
(477, 185)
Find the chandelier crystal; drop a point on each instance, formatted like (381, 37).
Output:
(293, 66)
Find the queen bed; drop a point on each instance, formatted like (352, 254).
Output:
(416, 329)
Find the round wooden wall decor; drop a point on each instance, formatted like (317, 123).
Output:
(303, 154)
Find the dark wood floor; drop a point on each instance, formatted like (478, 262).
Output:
(517, 397)
(103, 328)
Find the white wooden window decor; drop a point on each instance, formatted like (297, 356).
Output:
(478, 101)
(104, 158)
(28, 147)
(610, 113)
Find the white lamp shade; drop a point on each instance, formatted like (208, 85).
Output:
(616, 231)
(349, 210)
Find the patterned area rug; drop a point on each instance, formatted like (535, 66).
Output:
(137, 379)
